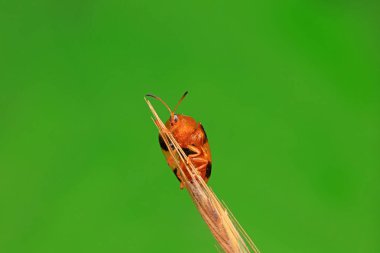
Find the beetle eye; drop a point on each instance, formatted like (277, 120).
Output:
(175, 118)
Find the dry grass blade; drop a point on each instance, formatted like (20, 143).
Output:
(225, 228)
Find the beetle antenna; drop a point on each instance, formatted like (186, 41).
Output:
(159, 99)
(183, 96)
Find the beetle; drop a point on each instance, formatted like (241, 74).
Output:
(193, 140)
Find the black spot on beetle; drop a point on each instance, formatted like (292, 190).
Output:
(206, 139)
(175, 173)
(162, 143)
(188, 151)
(208, 170)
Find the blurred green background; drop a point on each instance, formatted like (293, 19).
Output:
(288, 92)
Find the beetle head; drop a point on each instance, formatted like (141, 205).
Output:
(174, 118)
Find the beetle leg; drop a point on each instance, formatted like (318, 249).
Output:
(203, 164)
(192, 152)
(199, 160)
(204, 171)
(199, 170)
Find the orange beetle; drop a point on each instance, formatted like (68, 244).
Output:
(192, 138)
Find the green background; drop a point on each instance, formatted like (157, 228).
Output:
(288, 92)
